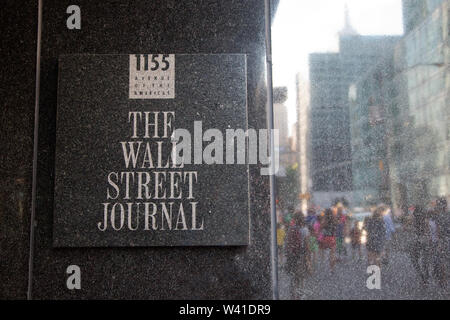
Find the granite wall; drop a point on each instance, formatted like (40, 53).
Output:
(113, 27)
(18, 25)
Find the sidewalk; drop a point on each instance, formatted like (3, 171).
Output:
(398, 282)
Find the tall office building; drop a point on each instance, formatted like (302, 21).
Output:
(420, 148)
(371, 100)
(331, 75)
(329, 142)
(416, 11)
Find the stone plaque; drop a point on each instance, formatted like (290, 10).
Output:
(123, 124)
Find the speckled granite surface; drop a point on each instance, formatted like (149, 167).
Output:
(102, 199)
(112, 27)
(18, 25)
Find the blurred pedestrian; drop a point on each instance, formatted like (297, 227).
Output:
(288, 214)
(297, 253)
(328, 241)
(281, 235)
(340, 232)
(318, 233)
(311, 217)
(311, 221)
(419, 245)
(390, 230)
(434, 265)
(376, 237)
(355, 236)
(443, 232)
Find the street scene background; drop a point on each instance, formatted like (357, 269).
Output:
(361, 102)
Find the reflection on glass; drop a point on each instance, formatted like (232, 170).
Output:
(361, 99)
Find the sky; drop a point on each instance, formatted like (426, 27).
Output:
(301, 27)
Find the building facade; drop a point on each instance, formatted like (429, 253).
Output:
(420, 147)
(331, 75)
(416, 11)
(370, 105)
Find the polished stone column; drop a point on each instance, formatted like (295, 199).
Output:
(18, 25)
(113, 27)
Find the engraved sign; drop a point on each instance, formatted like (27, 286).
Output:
(133, 151)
